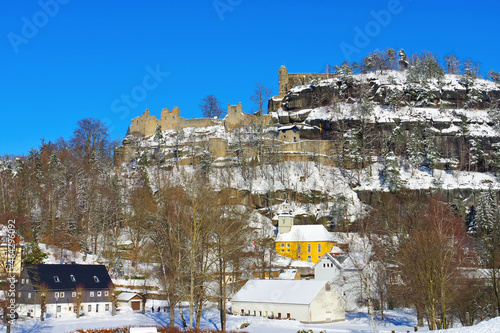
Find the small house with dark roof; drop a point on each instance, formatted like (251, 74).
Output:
(63, 287)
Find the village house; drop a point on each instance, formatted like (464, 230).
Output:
(128, 299)
(62, 287)
(305, 242)
(307, 301)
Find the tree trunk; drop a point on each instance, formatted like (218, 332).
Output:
(171, 309)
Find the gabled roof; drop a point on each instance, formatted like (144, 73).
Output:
(306, 233)
(279, 291)
(354, 261)
(68, 277)
(127, 296)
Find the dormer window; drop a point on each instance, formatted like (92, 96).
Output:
(96, 279)
(56, 279)
(72, 278)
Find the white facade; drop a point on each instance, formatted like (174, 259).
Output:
(305, 301)
(342, 273)
(65, 309)
(285, 223)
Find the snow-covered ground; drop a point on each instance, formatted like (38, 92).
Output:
(356, 322)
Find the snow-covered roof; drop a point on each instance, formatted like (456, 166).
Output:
(279, 291)
(126, 296)
(288, 274)
(306, 233)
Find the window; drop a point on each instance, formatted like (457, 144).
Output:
(29, 295)
(324, 265)
(106, 307)
(287, 244)
(106, 293)
(319, 257)
(319, 248)
(27, 281)
(97, 308)
(73, 294)
(308, 248)
(327, 287)
(99, 294)
(56, 279)
(309, 258)
(287, 250)
(91, 294)
(282, 250)
(58, 308)
(62, 294)
(72, 278)
(56, 295)
(96, 279)
(90, 308)
(282, 244)
(19, 295)
(22, 281)
(69, 308)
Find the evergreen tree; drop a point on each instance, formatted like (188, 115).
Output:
(487, 218)
(34, 255)
(403, 60)
(430, 151)
(470, 220)
(494, 162)
(476, 154)
(158, 136)
(390, 173)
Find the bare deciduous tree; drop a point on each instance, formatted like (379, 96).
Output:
(260, 96)
(211, 107)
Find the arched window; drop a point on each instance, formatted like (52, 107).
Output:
(309, 258)
(308, 248)
(319, 248)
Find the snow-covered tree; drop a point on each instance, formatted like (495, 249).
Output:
(486, 216)
(476, 154)
(390, 173)
(403, 59)
(158, 136)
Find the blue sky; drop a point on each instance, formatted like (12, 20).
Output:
(65, 60)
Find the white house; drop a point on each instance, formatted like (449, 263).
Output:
(308, 301)
(132, 300)
(342, 271)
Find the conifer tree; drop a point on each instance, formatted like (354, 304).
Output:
(158, 136)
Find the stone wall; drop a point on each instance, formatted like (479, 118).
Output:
(289, 80)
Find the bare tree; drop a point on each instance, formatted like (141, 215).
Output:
(211, 107)
(260, 96)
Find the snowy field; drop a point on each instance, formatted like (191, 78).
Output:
(356, 322)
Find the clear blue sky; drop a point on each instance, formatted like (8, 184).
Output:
(81, 59)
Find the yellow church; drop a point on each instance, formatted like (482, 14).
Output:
(305, 242)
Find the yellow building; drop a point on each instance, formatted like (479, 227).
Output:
(10, 253)
(305, 242)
